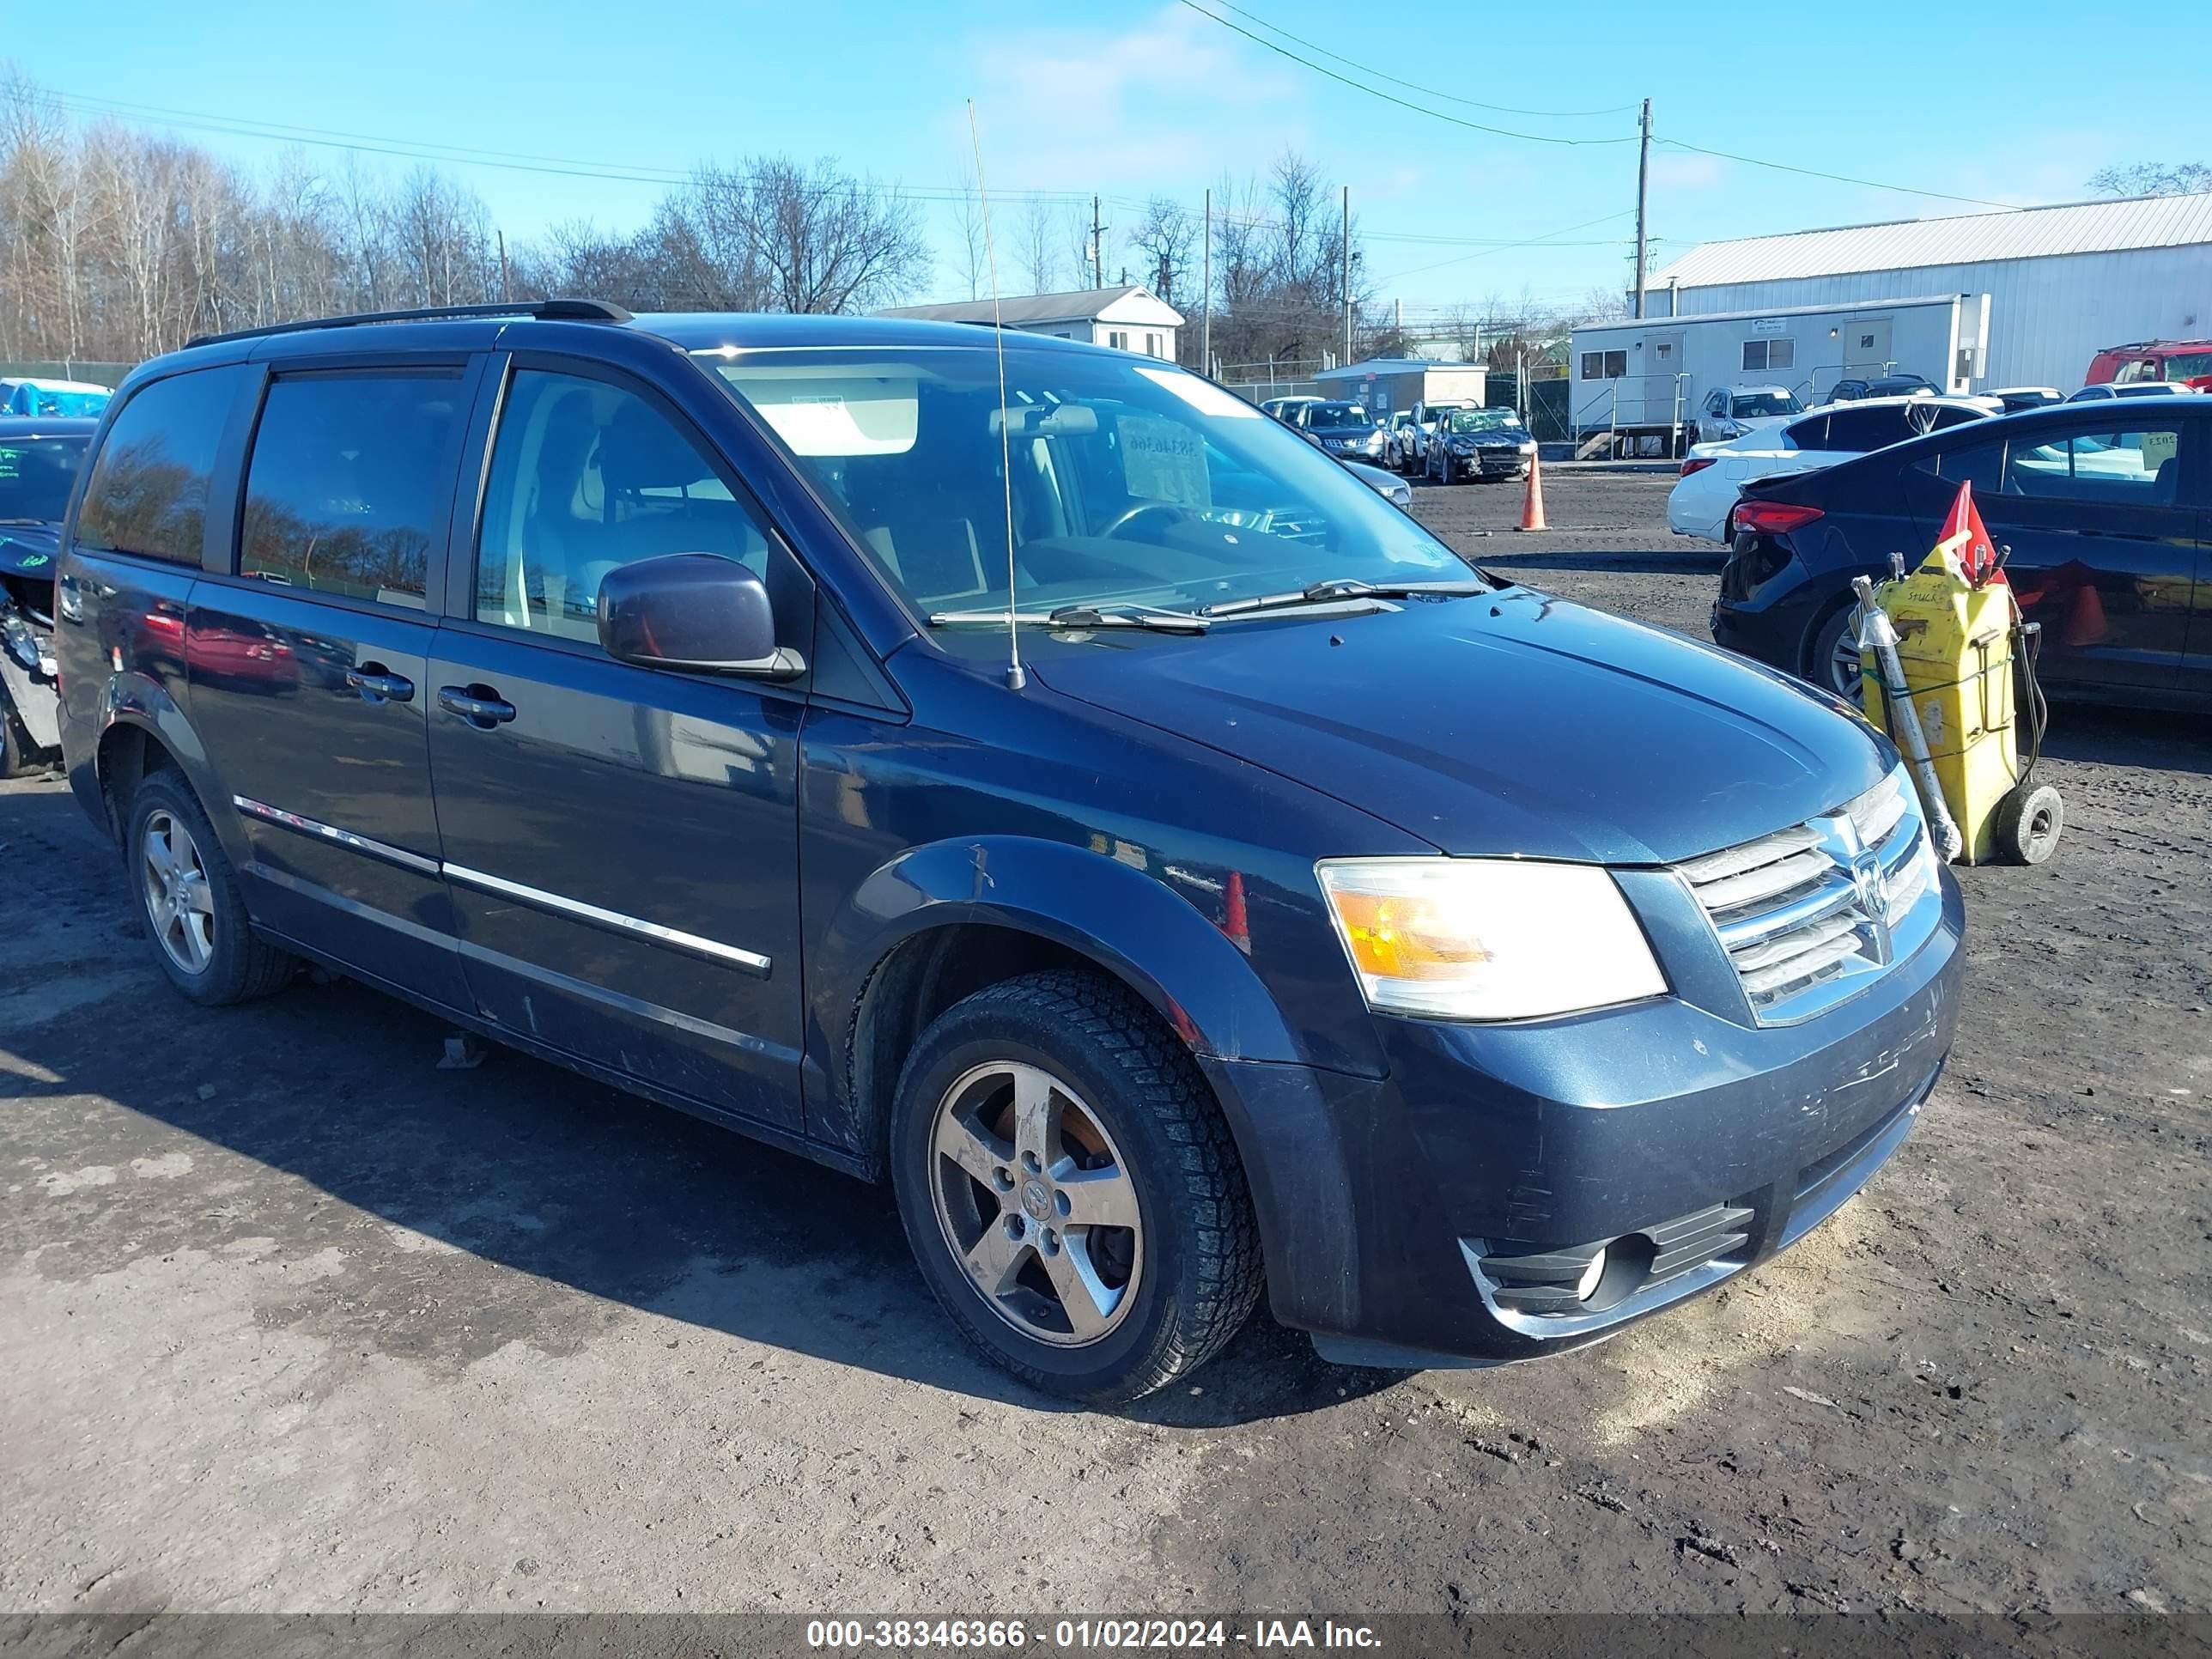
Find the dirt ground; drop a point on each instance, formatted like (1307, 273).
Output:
(291, 1320)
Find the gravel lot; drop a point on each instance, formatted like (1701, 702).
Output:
(292, 1319)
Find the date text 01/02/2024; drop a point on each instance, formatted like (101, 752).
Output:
(858, 1635)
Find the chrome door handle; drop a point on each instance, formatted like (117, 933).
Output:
(479, 705)
(376, 685)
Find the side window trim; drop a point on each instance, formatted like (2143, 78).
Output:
(227, 491)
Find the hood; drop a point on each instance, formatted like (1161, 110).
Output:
(30, 550)
(1511, 723)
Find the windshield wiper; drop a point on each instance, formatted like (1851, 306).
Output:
(1083, 617)
(1338, 590)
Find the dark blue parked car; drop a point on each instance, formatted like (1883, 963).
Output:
(2105, 513)
(1473, 972)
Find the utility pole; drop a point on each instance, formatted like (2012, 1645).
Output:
(1347, 273)
(1097, 247)
(1642, 183)
(505, 278)
(1206, 294)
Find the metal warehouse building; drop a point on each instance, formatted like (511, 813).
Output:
(2062, 282)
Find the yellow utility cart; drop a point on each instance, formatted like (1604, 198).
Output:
(1961, 648)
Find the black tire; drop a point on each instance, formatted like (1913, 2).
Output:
(1445, 476)
(1200, 1266)
(2030, 819)
(1822, 666)
(240, 965)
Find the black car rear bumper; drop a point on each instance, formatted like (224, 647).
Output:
(1445, 1214)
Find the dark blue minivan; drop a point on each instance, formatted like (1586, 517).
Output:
(1019, 770)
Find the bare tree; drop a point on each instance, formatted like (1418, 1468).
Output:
(1600, 304)
(1166, 236)
(1279, 260)
(1082, 258)
(116, 244)
(442, 235)
(2152, 179)
(824, 242)
(1036, 257)
(971, 243)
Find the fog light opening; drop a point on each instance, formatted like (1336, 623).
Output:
(1618, 1271)
(1586, 1286)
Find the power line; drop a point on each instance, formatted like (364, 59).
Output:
(1549, 138)
(1838, 178)
(1414, 86)
(1526, 242)
(1392, 98)
(459, 155)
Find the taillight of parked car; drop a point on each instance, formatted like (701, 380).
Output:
(1773, 518)
(1696, 464)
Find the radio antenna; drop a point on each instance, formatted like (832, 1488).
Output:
(1015, 678)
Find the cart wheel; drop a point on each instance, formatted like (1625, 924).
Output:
(2030, 820)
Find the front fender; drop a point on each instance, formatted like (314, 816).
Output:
(133, 699)
(1131, 923)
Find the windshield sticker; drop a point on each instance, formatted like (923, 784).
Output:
(1164, 460)
(1202, 395)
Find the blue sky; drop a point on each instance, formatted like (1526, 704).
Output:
(1983, 102)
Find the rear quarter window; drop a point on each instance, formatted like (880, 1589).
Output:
(148, 491)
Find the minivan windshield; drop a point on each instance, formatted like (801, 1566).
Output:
(1132, 482)
(35, 475)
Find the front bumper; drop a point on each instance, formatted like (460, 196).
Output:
(32, 688)
(1443, 1214)
(1491, 463)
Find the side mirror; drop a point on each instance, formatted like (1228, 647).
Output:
(695, 611)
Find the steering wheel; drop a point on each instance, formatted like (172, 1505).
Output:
(1130, 515)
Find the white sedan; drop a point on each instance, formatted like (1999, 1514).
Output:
(1703, 502)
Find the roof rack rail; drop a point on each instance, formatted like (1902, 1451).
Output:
(557, 311)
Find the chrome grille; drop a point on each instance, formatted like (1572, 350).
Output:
(1810, 914)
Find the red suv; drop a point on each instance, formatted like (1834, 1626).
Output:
(2189, 360)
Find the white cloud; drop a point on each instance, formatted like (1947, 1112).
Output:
(1168, 102)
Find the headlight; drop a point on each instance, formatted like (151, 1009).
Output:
(1487, 938)
(22, 644)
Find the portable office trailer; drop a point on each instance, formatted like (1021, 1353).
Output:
(2066, 280)
(1382, 385)
(1642, 383)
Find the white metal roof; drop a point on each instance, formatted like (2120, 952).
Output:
(1360, 370)
(1630, 323)
(1130, 303)
(1905, 244)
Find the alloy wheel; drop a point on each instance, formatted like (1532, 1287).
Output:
(179, 900)
(1037, 1203)
(1843, 667)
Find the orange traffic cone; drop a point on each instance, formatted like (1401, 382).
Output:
(1531, 498)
